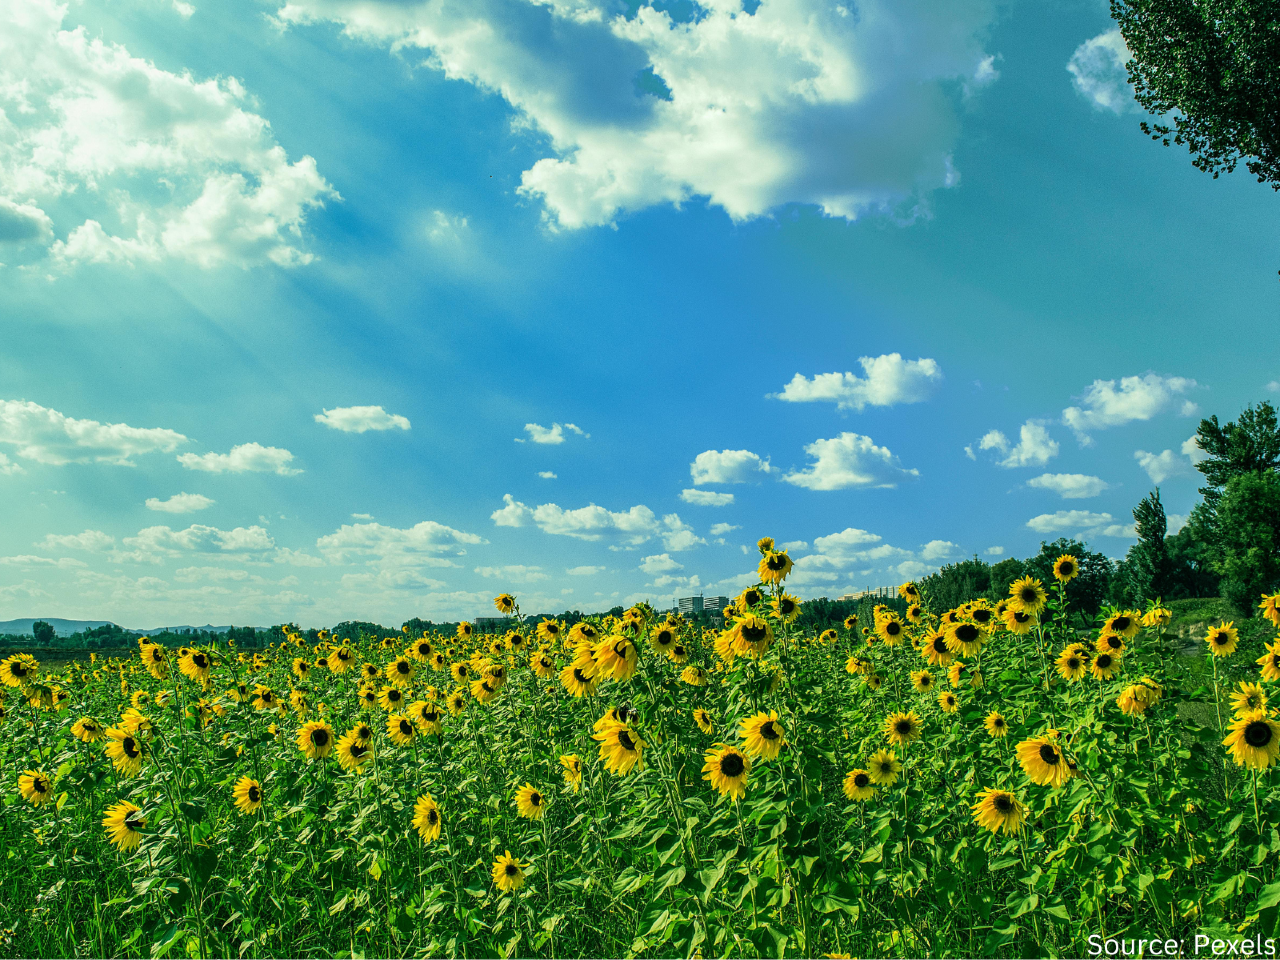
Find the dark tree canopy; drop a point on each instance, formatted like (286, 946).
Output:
(1147, 571)
(1212, 68)
(1250, 444)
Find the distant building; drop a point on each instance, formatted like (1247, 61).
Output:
(878, 593)
(692, 605)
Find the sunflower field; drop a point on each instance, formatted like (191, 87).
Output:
(991, 780)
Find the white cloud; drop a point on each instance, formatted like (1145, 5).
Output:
(92, 541)
(1192, 450)
(911, 569)
(1111, 403)
(1175, 522)
(162, 164)
(444, 229)
(244, 458)
(994, 551)
(659, 563)
(1069, 486)
(800, 102)
(8, 467)
(24, 222)
(889, 380)
(32, 561)
(49, 437)
(791, 546)
(396, 579)
(180, 503)
(362, 516)
(849, 460)
(547, 475)
(375, 541)
(1189, 409)
(630, 528)
(553, 435)
(937, 550)
(1034, 448)
(1098, 73)
(706, 498)
(513, 573)
(360, 419)
(720, 529)
(1161, 466)
(727, 466)
(584, 571)
(154, 544)
(1082, 521)
(1274, 386)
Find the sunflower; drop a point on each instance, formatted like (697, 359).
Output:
(786, 607)
(370, 671)
(1124, 623)
(858, 785)
(981, 613)
(315, 739)
(749, 598)
(999, 810)
(1072, 663)
(247, 794)
(456, 702)
(828, 636)
(1066, 568)
(1157, 616)
(504, 603)
(884, 767)
(1270, 662)
(763, 735)
(727, 768)
(1018, 622)
(460, 672)
(662, 637)
(465, 630)
(400, 730)
(679, 654)
(341, 659)
(1110, 643)
(1134, 700)
(902, 728)
(549, 630)
(1222, 639)
(1250, 698)
(694, 676)
(965, 639)
(1044, 762)
(483, 690)
(427, 716)
(87, 730)
(125, 751)
(508, 873)
(703, 720)
(616, 658)
(400, 671)
(909, 592)
(948, 702)
(124, 824)
(1254, 740)
(873, 681)
(426, 818)
(922, 680)
(890, 629)
(774, 567)
(752, 636)
(935, 650)
(391, 699)
(18, 670)
(530, 803)
(851, 622)
(1027, 595)
(353, 750)
(264, 698)
(195, 664)
(35, 786)
(157, 662)
(996, 724)
(572, 771)
(1105, 666)
(621, 748)
(1270, 607)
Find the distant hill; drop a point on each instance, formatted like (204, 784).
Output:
(63, 628)
(208, 628)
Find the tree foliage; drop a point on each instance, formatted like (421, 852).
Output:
(1211, 67)
(1249, 538)
(1087, 591)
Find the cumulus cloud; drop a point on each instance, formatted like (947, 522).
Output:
(629, 528)
(727, 466)
(164, 165)
(706, 498)
(1098, 73)
(889, 380)
(660, 563)
(91, 541)
(47, 436)
(937, 550)
(8, 467)
(1035, 447)
(390, 580)
(1161, 466)
(547, 475)
(849, 460)
(720, 529)
(1069, 486)
(360, 419)
(994, 551)
(802, 101)
(1112, 403)
(245, 458)
(156, 544)
(1192, 450)
(855, 551)
(180, 503)
(64, 563)
(584, 571)
(423, 543)
(513, 573)
(1081, 521)
(553, 435)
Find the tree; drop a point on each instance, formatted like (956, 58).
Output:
(1087, 591)
(1214, 65)
(956, 583)
(1145, 573)
(1249, 539)
(43, 633)
(1250, 444)
(1191, 557)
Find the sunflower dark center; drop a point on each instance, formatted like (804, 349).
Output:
(982, 615)
(432, 817)
(512, 869)
(320, 737)
(1073, 663)
(200, 660)
(1049, 754)
(1028, 595)
(1002, 802)
(776, 562)
(967, 633)
(535, 798)
(997, 722)
(940, 645)
(359, 749)
(625, 741)
(402, 666)
(861, 780)
(731, 765)
(786, 606)
(254, 794)
(1103, 661)
(769, 731)
(406, 728)
(130, 748)
(1258, 733)
(753, 634)
(893, 628)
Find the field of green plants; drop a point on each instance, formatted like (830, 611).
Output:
(988, 780)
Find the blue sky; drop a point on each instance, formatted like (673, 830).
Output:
(892, 282)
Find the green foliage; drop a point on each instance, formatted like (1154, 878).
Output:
(1214, 67)
(1250, 444)
(820, 613)
(956, 583)
(43, 633)
(1086, 592)
(1249, 538)
(1147, 572)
